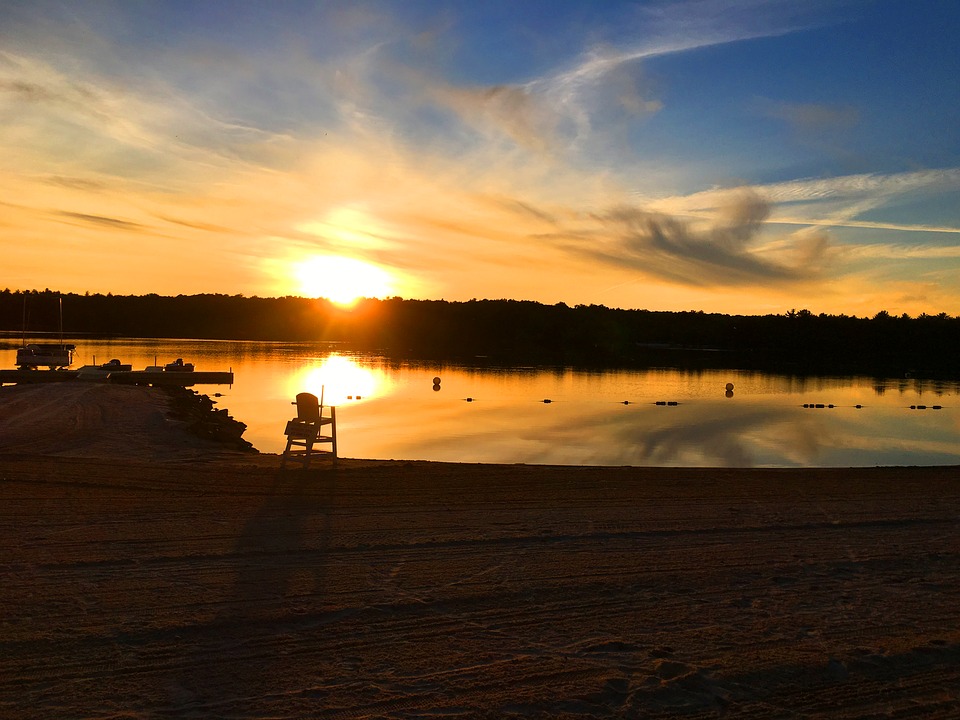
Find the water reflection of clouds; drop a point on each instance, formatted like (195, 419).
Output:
(701, 435)
(693, 434)
(709, 434)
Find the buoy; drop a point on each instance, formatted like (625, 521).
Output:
(858, 407)
(673, 402)
(436, 381)
(469, 399)
(626, 402)
(729, 386)
(547, 400)
(938, 407)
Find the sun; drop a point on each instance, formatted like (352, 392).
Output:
(342, 280)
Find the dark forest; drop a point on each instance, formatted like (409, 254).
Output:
(511, 331)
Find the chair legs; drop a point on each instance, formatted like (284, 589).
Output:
(303, 435)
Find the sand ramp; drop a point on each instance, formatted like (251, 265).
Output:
(82, 419)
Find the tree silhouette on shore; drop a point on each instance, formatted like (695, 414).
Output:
(512, 331)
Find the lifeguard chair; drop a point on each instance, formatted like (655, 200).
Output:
(309, 429)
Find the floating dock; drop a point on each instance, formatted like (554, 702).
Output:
(126, 377)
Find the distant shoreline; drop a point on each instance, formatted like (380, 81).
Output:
(680, 358)
(510, 331)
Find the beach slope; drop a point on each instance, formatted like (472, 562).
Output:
(185, 584)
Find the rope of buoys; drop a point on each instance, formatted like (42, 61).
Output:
(858, 406)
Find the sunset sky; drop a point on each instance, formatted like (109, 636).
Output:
(739, 156)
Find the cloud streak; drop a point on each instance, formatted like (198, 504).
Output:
(101, 221)
(813, 117)
(833, 202)
(720, 253)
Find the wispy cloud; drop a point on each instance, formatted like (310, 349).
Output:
(864, 184)
(722, 252)
(100, 220)
(895, 251)
(562, 108)
(512, 111)
(813, 117)
(831, 202)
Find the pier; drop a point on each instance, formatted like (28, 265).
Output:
(128, 377)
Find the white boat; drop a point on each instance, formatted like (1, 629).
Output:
(51, 355)
(55, 356)
(102, 372)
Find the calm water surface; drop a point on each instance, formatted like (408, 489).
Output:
(388, 409)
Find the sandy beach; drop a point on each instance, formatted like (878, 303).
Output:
(150, 574)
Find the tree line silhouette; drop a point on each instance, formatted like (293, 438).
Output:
(515, 331)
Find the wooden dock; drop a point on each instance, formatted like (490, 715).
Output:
(128, 377)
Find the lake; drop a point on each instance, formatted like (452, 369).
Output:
(389, 409)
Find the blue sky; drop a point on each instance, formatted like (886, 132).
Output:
(737, 156)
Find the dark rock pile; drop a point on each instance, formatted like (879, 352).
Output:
(202, 419)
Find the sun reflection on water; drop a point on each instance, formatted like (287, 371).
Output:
(339, 379)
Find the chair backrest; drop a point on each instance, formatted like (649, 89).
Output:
(308, 407)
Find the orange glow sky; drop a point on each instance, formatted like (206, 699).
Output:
(746, 157)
